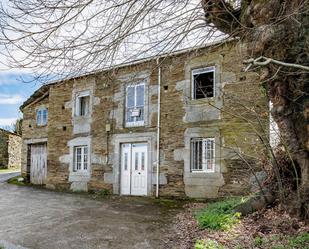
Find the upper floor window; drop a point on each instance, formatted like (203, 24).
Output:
(82, 104)
(41, 116)
(202, 155)
(135, 103)
(80, 158)
(203, 83)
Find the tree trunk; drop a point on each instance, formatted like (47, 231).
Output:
(277, 29)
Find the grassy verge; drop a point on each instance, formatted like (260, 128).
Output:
(219, 215)
(15, 181)
(5, 171)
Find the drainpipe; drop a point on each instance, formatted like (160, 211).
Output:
(158, 129)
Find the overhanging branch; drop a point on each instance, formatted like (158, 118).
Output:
(264, 61)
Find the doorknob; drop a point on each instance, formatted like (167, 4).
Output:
(139, 173)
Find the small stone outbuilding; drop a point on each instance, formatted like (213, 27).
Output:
(170, 125)
(10, 150)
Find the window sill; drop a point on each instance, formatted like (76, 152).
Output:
(82, 117)
(41, 126)
(79, 176)
(204, 101)
(134, 124)
(203, 174)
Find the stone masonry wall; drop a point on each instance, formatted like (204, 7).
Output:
(31, 133)
(10, 150)
(14, 151)
(232, 117)
(4, 156)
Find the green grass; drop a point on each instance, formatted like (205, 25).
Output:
(5, 171)
(299, 241)
(15, 181)
(219, 215)
(207, 244)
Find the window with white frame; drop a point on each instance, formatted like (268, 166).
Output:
(203, 83)
(135, 105)
(202, 155)
(82, 104)
(41, 116)
(80, 158)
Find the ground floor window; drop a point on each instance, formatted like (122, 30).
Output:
(80, 158)
(202, 155)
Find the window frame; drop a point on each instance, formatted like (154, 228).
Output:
(78, 98)
(83, 161)
(201, 70)
(204, 152)
(39, 116)
(140, 122)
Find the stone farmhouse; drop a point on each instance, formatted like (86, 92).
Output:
(10, 150)
(170, 125)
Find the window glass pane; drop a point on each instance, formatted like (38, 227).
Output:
(136, 160)
(84, 105)
(203, 84)
(129, 116)
(196, 155)
(78, 158)
(130, 97)
(202, 154)
(140, 95)
(85, 158)
(126, 161)
(143, 161)
(38, 117)
(44, 121)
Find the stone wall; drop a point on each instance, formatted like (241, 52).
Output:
(14, 151)
(232, 117)
(31, 132)
(10, 150)
(4, 156)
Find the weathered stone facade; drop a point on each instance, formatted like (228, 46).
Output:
(226, 117)
(10, 150)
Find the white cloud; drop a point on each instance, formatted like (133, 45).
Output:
(10, 77)
(7, 121)
(6, 99)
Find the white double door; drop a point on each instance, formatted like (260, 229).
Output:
(134, 169)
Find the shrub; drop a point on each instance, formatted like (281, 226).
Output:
(300, 241)
(219, 215)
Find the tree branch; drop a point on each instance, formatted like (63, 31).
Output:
(264, 61)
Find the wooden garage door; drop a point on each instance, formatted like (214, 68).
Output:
(38, 167)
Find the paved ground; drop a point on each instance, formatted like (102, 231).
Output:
(36, 218)
(5, 176)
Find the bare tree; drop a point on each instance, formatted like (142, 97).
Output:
(68, 37)
(73, 37)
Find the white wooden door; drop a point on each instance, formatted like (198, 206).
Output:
(134, 169)
(38, 166)
(126, 169)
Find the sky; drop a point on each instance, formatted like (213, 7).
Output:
(151, 35)
(15, 87)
